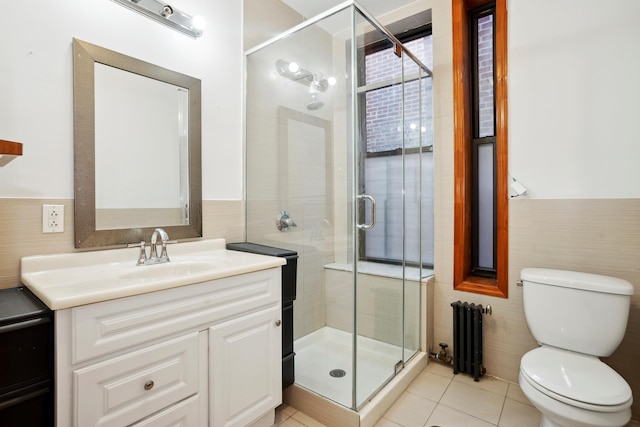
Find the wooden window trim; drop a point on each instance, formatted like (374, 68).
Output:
(463, 280)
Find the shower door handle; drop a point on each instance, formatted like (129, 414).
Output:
(373, 212)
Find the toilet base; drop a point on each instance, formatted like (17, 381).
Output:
(547, 422)
(559, 414)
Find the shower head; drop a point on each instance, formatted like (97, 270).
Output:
(315, 103)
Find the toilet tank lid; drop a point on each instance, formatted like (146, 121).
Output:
(577, 280)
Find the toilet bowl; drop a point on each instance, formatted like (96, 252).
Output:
(576, 318)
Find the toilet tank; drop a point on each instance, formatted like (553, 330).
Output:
(576, 311)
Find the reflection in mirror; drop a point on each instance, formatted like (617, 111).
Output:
(146, 119)
(137, 149)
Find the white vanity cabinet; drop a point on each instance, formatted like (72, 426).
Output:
(206, 354)
(245, 383)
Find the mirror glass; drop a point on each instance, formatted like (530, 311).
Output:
(146, 119)
(137, 149)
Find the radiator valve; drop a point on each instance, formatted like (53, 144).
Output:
(443, 355)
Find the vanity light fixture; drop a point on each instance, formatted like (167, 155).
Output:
(293, 71)
(168, 15)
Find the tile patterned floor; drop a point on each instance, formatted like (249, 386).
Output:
(439, 398)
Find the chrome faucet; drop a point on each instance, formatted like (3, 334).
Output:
(164, 237)
(153, 251)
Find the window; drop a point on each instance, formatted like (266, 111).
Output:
(387, 127)
(483, 142)
(480, 129)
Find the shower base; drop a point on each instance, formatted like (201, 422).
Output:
(323, 364)
(316, 392)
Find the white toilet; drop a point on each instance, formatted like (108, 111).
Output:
(576, 318)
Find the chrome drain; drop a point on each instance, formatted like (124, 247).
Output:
(337, 373)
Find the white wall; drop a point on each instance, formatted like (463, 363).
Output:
(574, 96)
(36, 85)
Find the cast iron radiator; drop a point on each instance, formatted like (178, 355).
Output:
(467, 339)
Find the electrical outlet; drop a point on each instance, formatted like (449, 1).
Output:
(52, 218)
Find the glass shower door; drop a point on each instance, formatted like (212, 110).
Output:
(378, 280)
(394, 142)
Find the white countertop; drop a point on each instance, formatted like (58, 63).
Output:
(69, 280)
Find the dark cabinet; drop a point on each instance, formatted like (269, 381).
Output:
(26, 360)
(289, 272)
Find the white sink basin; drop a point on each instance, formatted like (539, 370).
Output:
(68, 280)
(176, 268)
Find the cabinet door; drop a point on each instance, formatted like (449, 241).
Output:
(245, 368)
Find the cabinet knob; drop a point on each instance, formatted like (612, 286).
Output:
(148, 385)
(278, 322)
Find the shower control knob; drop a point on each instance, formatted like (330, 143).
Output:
(278, 322)
(284, 221)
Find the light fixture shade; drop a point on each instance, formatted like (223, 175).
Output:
(292, 71)
(166, 14)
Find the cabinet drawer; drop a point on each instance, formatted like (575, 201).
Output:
(105, 327)
(25, 353)
(126, 389)
(28, 406)
(183, 414)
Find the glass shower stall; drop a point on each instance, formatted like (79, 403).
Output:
(339, 168)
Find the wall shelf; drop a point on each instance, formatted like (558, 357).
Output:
(9, 150)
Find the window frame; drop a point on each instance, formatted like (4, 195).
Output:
(463, 278)
(404, 36)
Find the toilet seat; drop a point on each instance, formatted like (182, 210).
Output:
(576, 379)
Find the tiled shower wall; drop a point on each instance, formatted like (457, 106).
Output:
(379, 306)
